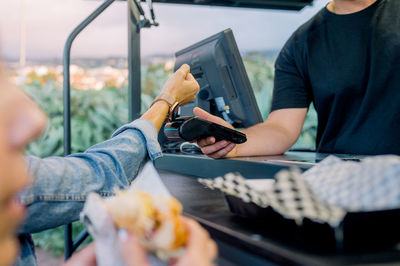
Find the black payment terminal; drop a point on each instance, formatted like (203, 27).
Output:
(190, 128)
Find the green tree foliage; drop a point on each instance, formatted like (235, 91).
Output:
(95, 115)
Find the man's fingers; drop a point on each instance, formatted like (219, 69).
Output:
(207, 116)
(201, 113)
(189, 77)
(197, 235)
(210, 149)
(132, 251)
(222, 152)
(206, 141)
(212, 249)
(212, 118)
(192, 81)
(183, 70)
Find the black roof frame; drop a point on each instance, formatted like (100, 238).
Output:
(258, 4)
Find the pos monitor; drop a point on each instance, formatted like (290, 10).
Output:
(225, 89)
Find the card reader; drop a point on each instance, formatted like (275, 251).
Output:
(188, 128)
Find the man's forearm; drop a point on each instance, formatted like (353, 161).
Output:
(157, 114)
(61, 185)
(266, 139)
(276, 135)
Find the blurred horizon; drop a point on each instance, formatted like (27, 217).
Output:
(48, 24)
(57, 59)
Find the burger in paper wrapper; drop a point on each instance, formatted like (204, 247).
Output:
(156, 220)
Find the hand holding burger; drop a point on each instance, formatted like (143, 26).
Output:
(155, 220)
(155, 224)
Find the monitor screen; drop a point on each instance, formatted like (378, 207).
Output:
(225, 89)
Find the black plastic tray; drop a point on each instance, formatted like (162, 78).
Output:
(358, 231)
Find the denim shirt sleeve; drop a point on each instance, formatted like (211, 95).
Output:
(60, 184)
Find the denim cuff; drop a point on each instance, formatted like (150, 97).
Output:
(149, 132)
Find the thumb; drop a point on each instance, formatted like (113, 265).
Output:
(212, 118)
(190, 77)
(183, 70)
(132, 251)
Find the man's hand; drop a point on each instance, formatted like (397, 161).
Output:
(182, 85)
(208, 145)
(200, 249)
(132, 251)
(85, 257)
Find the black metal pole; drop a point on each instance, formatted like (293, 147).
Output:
(67, 102)
(134, 85)
(79, 239)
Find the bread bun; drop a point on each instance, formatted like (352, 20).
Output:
(156, 220)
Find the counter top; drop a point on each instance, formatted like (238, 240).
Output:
(251, 242)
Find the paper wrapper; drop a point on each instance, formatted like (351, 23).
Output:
(325, 193)
(101, 226)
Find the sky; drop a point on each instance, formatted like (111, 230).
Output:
(49, 23)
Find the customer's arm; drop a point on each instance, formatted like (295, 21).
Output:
(61, 184)
(274, 136)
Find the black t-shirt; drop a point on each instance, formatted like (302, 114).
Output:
(349, 67)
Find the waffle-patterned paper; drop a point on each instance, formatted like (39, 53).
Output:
(325, 192)
(371, 185)
(289, 196)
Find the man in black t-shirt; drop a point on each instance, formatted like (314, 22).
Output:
(346, 60)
